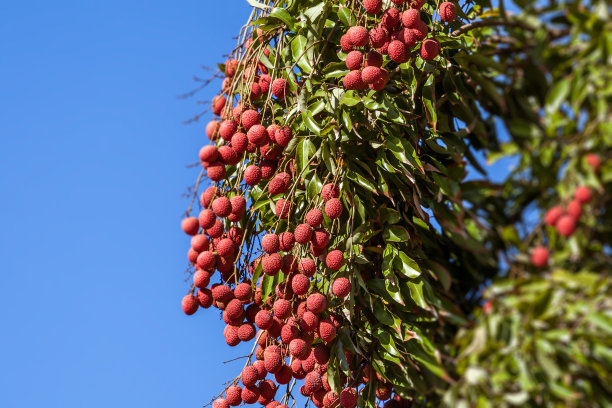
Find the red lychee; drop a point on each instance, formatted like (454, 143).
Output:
(320, 238)
(566, 225)
(348, 398)
(352, 80)
(208, 153)
(238, 204)
(201, 278)
(447, 11)
(267, 389)
(222, 293)
(225, 247)
(287, 240)
(277, 185)
(574, 208)
(398, 51)
(205, 298)
(358, 36)
(345, 43)
(227, 129)
(222, 207)
(261, 369)
(283, 136)
(553, 215)
(283, 209)
(264, 83)
(314, 217)
(390, 19)
(327, 331)
(248, 376)
(354, 60)
(220, 403)
(207, 218)
(234, 309)
(410, 18)
(378, 36)
(284, 375)
(300, 284)
(228, 155)
(250, 394)
(374, 59)
(321, 353)
(279, 88)
(218, 103)
(230, 67)
(583, 194)
(190, 304)
(302, 233)
(257, 134)
(312, 382)
(273, 362)
(430, 49)
(243, 291)
(216, 171)
(190, 225)
(271, 264)
(264, 320)
(341, 287)
(252, 175)
(255, 91)
(330, 191)
(592, 160)
(216, 230)
(212, 129)
(192, 255)
(334, 260)
(370, 74)
(270, 243)
(207, 196)
(307, 267)
(249, 118)
(232, 395)
(282, 308)
(333, 208)
(408, 36)
(316, 302)
(239, 143)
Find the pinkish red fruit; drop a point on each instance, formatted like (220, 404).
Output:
(341, 287)
(334, 260)
(279, 88)
(353, 80)
(553, 215)
(250, 118)
(330, 191)
(307, 267)
(358, 36)
(592, 160)
(398, 52)
(216, 171)
(302, 233)
(190, 304)
(316, 303)
(257, 134)
(348, 398)
(190, 225)
(287, 240)
(283, 136)
(354, 60)
(372, 6)
(252, 175)
(333, 208)
(447, 11)
(566, 225)
(227, 129)
(270, 243)
(583, 194)
(430, 49)
(370, 74)
(208, 153)
(300, 284)
(222, 207)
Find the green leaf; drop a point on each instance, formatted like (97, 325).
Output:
(395, 233)
(284, 16)
(305, 151)
(298, 48)
(406, 265)
(256, 4)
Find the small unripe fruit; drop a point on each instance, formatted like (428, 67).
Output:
(190, 304)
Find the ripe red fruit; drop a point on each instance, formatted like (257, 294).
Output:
(421, 30)
(201, 278)
(261, 369)
(222, 293)
(222, 207)
(279, 88)
(284, 375)
(218, 103)
(230, 67)
(370, 74)
(321, 353)
(264, 83)
(227, 129)
(255, 91)
(250, 394)
(566, 225)
(330, 191)
(273, 362)
(190, 225)
(283, 136)
(216, 230)
(246, 332)
(374, 59)
(216, 171)
(447, 11)
(334, 260)
(257, 134)
(341, 287)
(592, 160)
(268, 167)
(354, 60)
(238, 204)
(300, 284)
(278, 185)
(410, 18)
(327, 331)
(348, 398)
(207, 196)
(283, 208)
(267, 389)
(225, 247)
(358, 36)
(243, 291)
(190, 304)
(282, 308)
(320, 238)
(378, 37)
(234, 309)
(252, 175)
(333, 208)
(298, 348)
(232, 395)
(270, 243)
(220, 403)
(353, 80)
(391, 18)
(345, 43)
(539, 256)
(211, 129)
(239, 143)
(248, 376)
(249, 118)
(372, 6)
(287, 240)
(205, 298)
(288, 333)
(574, 208)
(408, 36)
(271, 264)
(553, 215)
(302, 233)
(192, 255)
(309, 322)
(264, 320)
(398, 51)
(583, 194)
(316, 302)
(207, 218)
(208, 153)
(312, 382)
(430, 49)
(228, 155)
(307, 267)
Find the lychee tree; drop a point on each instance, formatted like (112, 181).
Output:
(360, 243)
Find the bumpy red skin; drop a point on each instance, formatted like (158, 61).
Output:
(448, 11)
(190, 225)
(287, 241)
(372, 6)
(211, 130)
(252, 175)
(303, 233)
(190, 304)
(307, 267)
(300, 284)
(314, 217)
(341, 287)
(279, 88)
(430, 49)
(370, 74)
(390, 19)
(348, 398)
(216, 171)
(201, 279)
(329, 191)
(333, 208)
(208, 153)
(249, 118)
(326, 331)
(257, 134)
(222, 207)
(316, 303)
(220, 403)
(227, 129)
(283, 136)
(334, 260)
(270, 243)
(358, 36)
(398, 51)
(354, 60)
(353, 81)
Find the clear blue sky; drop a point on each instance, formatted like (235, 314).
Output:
(92, 166)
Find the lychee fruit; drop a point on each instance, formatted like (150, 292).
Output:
(284, 375)
(249, 118)
(353, 61)
(248, 376)
(257, 134)
(316, 302)
(270, 243)
(302, 233)
(307, 267)
(228, 155)
(372, 6)
(238, 204)
(222, 207)
(208, 153)
(408, 36)
(583, 194)
(216, 171)
(230, 67)
(212, 130)
(326, 331)
(264, 320)
(553, 215)
(334, 260)
(239, 143)
(390, 18)
(190, 304)
(333, 208)
(312, 382)
(227, 129)
(243, 291)
(314, 217)
(574, 208)
(341, 287)
(225, 247)
(286, 240)
(192, 255)
(358, 36)
(277, 185)
(267, 389)
(330, 191)
(378, 37)
(250, 394)
(283, 136)
(207, 196)
(370, 74)
(398, 51)
(283, 208)
(374, 59)
(348, 398)
(190, 225)
(252, 175)
(232, 395)
(320, 238)
(282, 308)
(566, 225)
(218, 103)
(271, 264)
(592, 160)
(300, 284)
(410, 18)
(205, 298)
(220, 403)
(279, 87)
(345, 43)
(216, 230)
(352, 80)
(430, 49)
(235, 233)
(447, 11)
(201, 278)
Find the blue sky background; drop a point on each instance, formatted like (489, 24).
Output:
(92, 167)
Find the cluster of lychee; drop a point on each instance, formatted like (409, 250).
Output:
(565, 218)
(395, 36)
